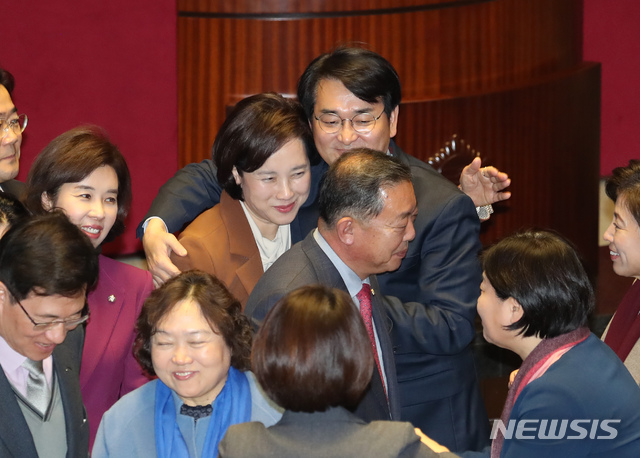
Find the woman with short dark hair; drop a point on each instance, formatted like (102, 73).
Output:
(193, 336)
(535, 300)
(312, 355)
(262, 157)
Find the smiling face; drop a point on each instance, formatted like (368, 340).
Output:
(188, 356)
(90, 204)
(17, 329)
(10, 142)
(380, 244)
(274, 193)
(623, 235)
(333, 97)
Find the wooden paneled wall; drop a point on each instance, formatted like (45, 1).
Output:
(505, 75)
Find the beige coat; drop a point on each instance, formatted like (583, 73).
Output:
(633, 360)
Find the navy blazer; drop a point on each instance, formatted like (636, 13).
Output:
(439, 282)
(440, 276)
(305, 264)
(15, 436)
(590, 384)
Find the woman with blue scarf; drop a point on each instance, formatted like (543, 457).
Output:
(192, 335)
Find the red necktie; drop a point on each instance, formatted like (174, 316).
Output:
(364, 296)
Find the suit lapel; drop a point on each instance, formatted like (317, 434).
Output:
(325, 271)
(105, 303)
(383, 327)
(633, 362)
(14, 431)
(66, 365)
(239, 233)
(328, 275)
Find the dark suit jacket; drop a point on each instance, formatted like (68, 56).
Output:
(589, 383)
(15, 436)
(221, 243)
(335, 432)
(14, 187)
(305, 264)
(109, 369)
(437, 380)
(432, 335)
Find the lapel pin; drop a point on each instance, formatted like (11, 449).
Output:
(112, 298)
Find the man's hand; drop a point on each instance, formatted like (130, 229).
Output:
(433, 445)
(484, 185)
(158, 244)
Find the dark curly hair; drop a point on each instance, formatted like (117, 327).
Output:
(219, 307)
(11, 209)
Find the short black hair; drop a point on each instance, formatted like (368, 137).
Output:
(11, 209)
(625, 183)
(352, 186)
(368, 75)
(312, 351)
(222, 311)
(7, 80)
(47, 255)
(543, 272)
(257, 127)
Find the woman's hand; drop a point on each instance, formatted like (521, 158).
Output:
(158, 245)
(433, 445)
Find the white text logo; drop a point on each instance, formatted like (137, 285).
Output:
(556, 429)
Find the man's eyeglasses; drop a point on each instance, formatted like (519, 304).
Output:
(68, 324)
(18, 125)
(362, 122)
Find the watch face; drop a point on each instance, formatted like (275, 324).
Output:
(484, 212)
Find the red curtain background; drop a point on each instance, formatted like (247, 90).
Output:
(612, 36)
(109, 63)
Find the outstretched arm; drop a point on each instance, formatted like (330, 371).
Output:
(180, 200)
(485, 185)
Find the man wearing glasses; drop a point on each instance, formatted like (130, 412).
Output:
(351, 97)
(46, 267)
(11, 127)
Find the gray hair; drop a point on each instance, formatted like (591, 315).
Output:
(354, 185)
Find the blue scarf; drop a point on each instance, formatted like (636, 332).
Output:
(233, 405)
